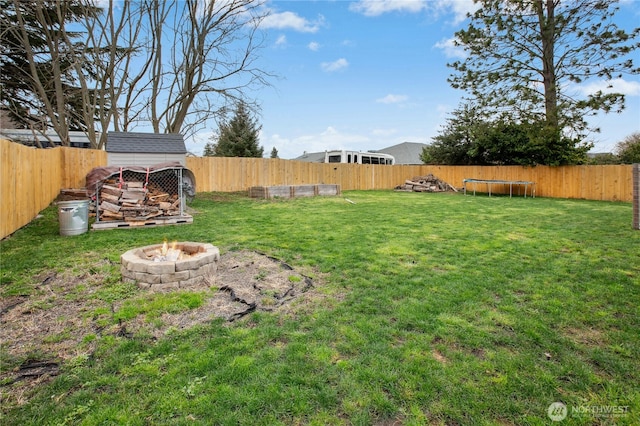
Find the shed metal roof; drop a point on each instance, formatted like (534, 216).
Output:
(151, 143)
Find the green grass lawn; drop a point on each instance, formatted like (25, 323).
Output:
(427, 309)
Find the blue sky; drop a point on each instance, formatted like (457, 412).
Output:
(365, 75)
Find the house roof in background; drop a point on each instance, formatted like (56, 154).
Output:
(311, 157)
(48, 140)
(405, 152)
(151, 143)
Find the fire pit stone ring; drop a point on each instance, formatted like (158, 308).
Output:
(158, 268)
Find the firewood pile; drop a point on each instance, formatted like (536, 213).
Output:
(131, 201)
(428, 183)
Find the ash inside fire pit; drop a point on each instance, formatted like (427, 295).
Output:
(162, 267)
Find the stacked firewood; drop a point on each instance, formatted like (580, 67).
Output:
(428, 183)
(131, 201)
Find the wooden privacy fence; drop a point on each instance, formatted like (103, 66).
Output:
(610, 182)
(32, 178)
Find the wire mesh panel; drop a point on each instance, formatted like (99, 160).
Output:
(140, 196)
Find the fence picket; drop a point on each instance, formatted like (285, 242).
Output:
(32, 178)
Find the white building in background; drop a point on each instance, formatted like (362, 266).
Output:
(403, 153)
(355, 157)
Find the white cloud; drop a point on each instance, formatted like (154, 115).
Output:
(443, 110)
(292, 21)
(379, 7)
(314, 46)
(333, 135)
(458, 8)
(328, 139)
(104, 4)
(619, 85)
(217, 7)
(334, 138)
(338, 65)
(195, 144)
(282, 40)
(383, 132)
(275, 140)
(450, 49)
(392, 99)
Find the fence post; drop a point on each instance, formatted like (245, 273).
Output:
(636, 196)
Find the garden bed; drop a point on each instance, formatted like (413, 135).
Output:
(292, 191)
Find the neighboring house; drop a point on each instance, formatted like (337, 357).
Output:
(405, 152)
(144, 149)
(311, 157)
(49, 140)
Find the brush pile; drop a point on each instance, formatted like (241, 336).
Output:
(428, 183)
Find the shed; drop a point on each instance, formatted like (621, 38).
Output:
(144, 149)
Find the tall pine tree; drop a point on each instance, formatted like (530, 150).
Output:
(237, 137)
(525, 59)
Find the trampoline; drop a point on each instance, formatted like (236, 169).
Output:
(519, 183)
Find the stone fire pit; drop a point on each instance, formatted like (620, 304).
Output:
(163, 267)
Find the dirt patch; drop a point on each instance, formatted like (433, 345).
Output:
(439, 357)
(586, 336)
(245, 282)
(67, 314)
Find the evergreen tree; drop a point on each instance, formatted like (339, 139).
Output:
(209, 150)
(470, 139)
(524, 57)
(453, 143)
(274, 153)
(238, 137)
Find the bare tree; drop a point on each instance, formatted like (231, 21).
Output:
(112, 44)
(208, 66)
(172, 64)
(71, 83)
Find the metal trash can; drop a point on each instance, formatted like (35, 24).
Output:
(73, 217)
